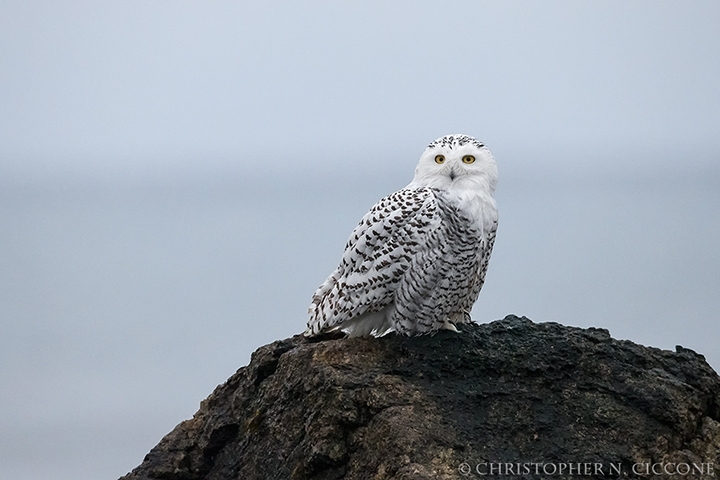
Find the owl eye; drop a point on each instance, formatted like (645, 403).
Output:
(468, 159)
(440, 159)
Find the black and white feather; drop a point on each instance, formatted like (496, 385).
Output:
(417, 260)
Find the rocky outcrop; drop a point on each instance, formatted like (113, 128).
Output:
(508, 399)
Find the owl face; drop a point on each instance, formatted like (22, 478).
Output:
(456, 162)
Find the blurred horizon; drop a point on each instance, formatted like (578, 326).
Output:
(177, 178)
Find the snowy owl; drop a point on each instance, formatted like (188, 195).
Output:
(417, 260)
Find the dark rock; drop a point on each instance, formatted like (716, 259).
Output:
(544, 396)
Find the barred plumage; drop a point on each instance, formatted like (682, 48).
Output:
(417, 260)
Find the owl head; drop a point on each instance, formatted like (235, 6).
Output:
(456, 162)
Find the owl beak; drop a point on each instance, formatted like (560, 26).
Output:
(452, 174)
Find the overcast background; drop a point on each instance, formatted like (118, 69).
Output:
(176, 179)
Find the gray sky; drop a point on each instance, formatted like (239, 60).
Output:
(176, 178)
(166, 85)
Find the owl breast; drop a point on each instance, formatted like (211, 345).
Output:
(443, 283)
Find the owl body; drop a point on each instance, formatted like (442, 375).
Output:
(417, 260)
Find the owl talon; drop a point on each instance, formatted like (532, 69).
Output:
(449, 326)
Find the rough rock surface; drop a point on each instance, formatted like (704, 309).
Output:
(542, 396)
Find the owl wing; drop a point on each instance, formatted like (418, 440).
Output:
(380, 250)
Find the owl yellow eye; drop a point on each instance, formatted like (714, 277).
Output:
(440, 159)
(468, 159)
